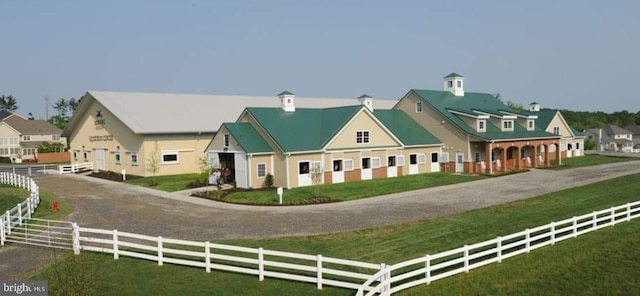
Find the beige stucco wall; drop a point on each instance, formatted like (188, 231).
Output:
(422, 168)
(254, 180)
(293, 165)
(217, 143)
(190, 148)
(378, 136)
(431, 120)
(8, 132)
(557, 122)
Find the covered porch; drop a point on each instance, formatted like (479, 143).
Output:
(500, 157)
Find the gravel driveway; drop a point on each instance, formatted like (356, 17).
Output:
(108, 205)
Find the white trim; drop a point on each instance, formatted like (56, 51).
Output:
(531, 125)
(484, 125)
(170, 152)
(131, 158)
(117, 157)
(344, 164)
(287, 170)
(424, 158)
(366, 134)
(271, 168)
(510, 123)
(258, 169)
(379, 163)
(373, 117)
(421, 107)
(400, 161)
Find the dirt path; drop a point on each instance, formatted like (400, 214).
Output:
(108, 205)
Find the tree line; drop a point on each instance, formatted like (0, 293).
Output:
(64, 108)
(582, 120)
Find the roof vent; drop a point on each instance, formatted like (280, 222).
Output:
(367, 101)
(287, 101)
(454, 83)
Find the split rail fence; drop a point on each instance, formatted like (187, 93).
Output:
(75, 168)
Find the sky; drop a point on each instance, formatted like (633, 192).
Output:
(578, 55)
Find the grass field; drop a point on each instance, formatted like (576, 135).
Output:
(570, 267)
(351, 190)
(10, 197)
(591, 160)
(167, 183)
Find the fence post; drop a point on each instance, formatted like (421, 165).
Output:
(207, 256)
(8, 223)
(383, 277)
(1, 231)
(499, 247)
(575, 226)
(29, 208)
(19, 214)
(552, 237)
(261, 264)
(76, 238)
(60, 169)
(595, 220)
(160, 251)
(115, 244)
(628, 211)
(29, 171)
(427, 266)
(466, 258)
(528, 240)
(319, 267)
(613, 216)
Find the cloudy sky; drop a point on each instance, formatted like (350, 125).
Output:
(580, 55)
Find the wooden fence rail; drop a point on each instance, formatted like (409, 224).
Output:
(424, 270)
(75, 168)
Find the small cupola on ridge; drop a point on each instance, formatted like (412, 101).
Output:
(534, 107)
(454, 83)
(287, 101)
(366, 101)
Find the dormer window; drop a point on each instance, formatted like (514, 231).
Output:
(418, 107)
(507, 125)
(530, 125)
(482, 125)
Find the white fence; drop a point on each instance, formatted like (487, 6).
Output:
(16, 216)
(210, 256)
(75, 168)
(424, 270)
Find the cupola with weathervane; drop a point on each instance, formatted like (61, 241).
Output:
(366, 101)
(287, 101)
(454, 83)
(534, 107)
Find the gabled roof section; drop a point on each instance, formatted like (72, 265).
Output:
(612, 130)
(407, 130)
(635, 129)
(545, 116)
(306, 129)
(477, 103)
(248, 138)
(34, 127)
(4, 114)
(155, 113)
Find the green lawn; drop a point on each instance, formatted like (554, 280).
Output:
(608, 257)
(591, 160)
(167, 183)
(10, 197)
(350, 190)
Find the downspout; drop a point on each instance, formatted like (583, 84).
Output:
(469, 155)
(286, 160)
(249, 170)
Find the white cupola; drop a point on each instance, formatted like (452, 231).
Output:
(287, 101)
(534, 107)
(454, 83)
(366, 101)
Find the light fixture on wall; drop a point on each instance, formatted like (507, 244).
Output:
(117, 147)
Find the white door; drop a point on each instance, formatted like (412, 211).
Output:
(459, 162)
(413, 164)
(392, 169)
(100, 159)
(366, 173)
(304, 175)
(240, 167)
(338, 172)
(435, 162)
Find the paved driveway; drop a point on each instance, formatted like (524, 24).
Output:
(104, 204)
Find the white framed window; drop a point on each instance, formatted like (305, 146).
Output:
(530, 125)
(400, 160)
(55, 137)
(459, 83)
(262, 170)
(444, 157)
(418, 107)
(29, 151)
(134, 158)
(26, 138)
(434, 157)
(507, 125)
(117, 156)
(375, 162)
(477, 156)
(413, 159)
(362, 137)
(348, 164)
(226, 140)
(450, 84)
(556, 130)
(170, 157)
(482, 125)
(422, 158)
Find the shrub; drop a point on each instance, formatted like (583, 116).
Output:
(5, 159)
(268, 180)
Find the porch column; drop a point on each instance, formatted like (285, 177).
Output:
(534, 157)
(518, 152)
(547, 161)
(503, 156)
(559, 156)
(487, 159)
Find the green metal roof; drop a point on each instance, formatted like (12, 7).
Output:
(453, 75)
(286, 93)
(365, 96)
(306, 129)
(576, 132)
(247, 137)
(545, 116)
(443, 100)
(407, 130)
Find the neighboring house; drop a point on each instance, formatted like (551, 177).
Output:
(121, 131)
(6, 115)
(21, 138)
(635, 131)
(620, 139)
(341, 143)
(480, 133)
(552, 121)
(599, 138)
